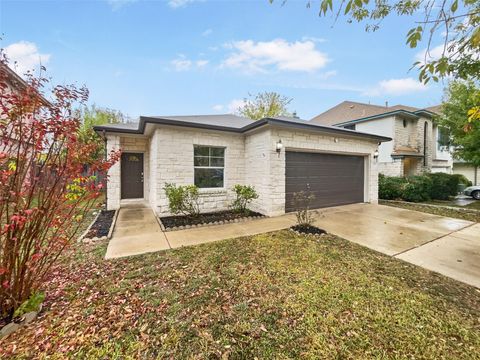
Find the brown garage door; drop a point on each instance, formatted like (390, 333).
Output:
(334, 179)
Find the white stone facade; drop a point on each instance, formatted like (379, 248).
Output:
(250, 159)
(175, 164)
(113, 176)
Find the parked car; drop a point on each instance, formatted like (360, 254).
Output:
(473, 191)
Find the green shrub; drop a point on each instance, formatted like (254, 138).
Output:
(390, 187)
(182, 199)
(443, 186)
(438, 186)
(417, 189)
(462, 180)
(244, 194)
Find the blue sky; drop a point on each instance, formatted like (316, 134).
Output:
(178, 57)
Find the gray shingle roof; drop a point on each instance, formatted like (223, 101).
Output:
(227, 120)
(349, 111)
(233, 123)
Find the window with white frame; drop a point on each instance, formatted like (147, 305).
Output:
(209, 166)
(443, 139)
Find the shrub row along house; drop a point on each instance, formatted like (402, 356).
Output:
(418, 143)
(278, 156)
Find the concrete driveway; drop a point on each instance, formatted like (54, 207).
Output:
(445, 245)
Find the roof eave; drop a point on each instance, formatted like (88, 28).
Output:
(325, 129)
(380, 116)
(249, 127)
(428, 113)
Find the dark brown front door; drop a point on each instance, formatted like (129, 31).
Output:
(333, 179)
(132, 175)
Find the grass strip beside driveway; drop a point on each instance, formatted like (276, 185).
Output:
(461, 213)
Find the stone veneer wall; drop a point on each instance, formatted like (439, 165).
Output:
(412, 136)
(394, 168)
(257, 169)
(430, 144)
(154, 168)
(113, 183)
(174, 156)
(249, 159)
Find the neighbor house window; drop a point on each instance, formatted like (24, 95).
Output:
(443, 139)
(209, 166)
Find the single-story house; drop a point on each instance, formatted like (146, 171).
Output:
(278, 156)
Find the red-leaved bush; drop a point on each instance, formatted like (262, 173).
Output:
(47, 181)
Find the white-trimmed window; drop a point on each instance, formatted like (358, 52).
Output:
(209, 166)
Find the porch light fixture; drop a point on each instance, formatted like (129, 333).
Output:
(375, 154)
(279, 146)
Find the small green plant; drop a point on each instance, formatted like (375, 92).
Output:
(32, 304)
(302, 202)
(244, 195)
(182, 199)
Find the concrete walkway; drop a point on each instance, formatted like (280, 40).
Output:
(136, 232)
(445, 245)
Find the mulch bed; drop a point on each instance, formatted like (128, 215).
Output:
(308, 229)
(101, 227)
(170, 222)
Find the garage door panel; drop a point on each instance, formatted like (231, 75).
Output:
(333, 179)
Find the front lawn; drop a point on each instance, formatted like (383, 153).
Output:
(275, 295)
(463, 213)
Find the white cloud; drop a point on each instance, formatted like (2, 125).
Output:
(432, 54)
(396, 87)
(328, 74)
(175, 4)
(314, 39)
(201, 63)
(438, 51)
(233, 105)
(207, 32)
(25, 56)
(231, 108)
(118, 4)
(254, 56)
(181, 63)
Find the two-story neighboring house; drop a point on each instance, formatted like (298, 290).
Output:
(417, 141)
